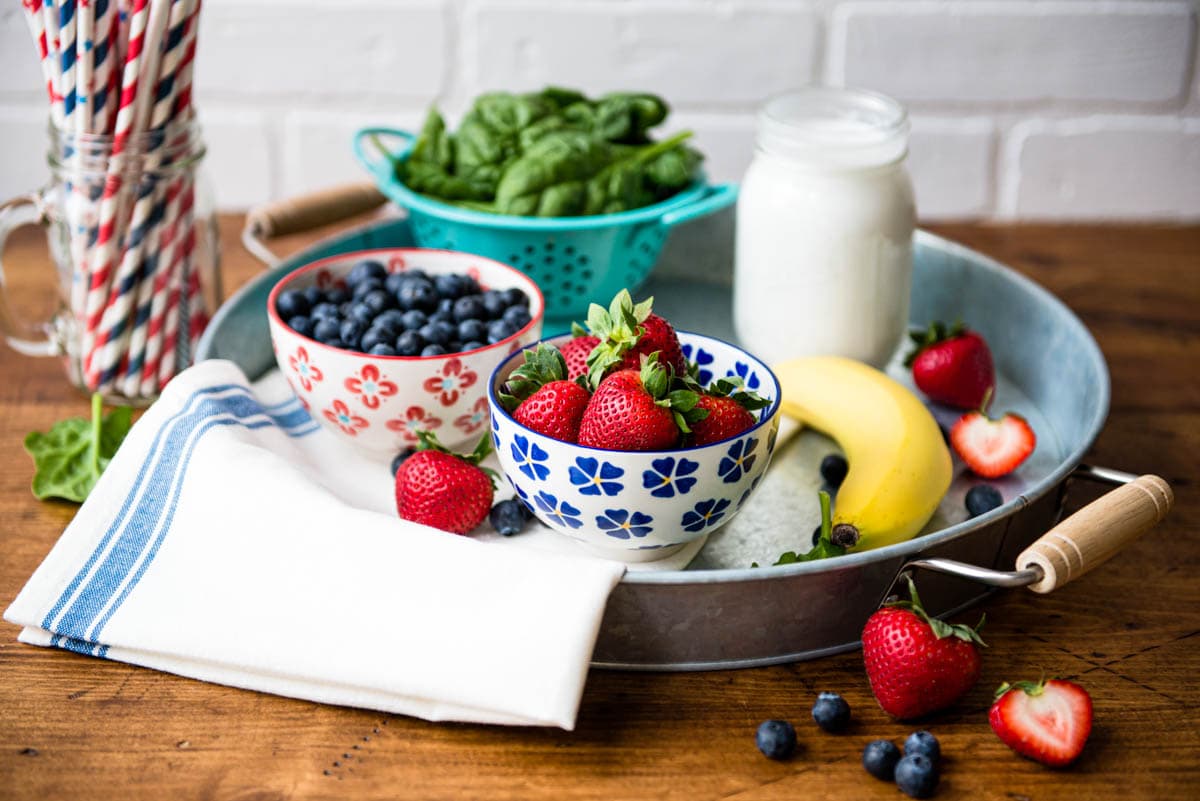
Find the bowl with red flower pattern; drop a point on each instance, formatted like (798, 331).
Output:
(347, 339)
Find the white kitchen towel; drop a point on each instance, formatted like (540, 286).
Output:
(233, 540)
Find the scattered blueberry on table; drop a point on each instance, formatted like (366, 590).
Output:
(916, 775)
(831, 712)
(922, 742)
(406, 313)
(880, 758)
(509, 517)
(400, 457)
(776, 739)
(982, 498)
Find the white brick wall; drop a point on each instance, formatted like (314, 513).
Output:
(1021, 109)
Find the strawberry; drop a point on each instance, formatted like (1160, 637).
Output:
(952, 366)
(1048, 721)
(628, 332)
(727, 405)
(918, 664)
(442, 489)
(632, 410)
(576, 351)
(992, 448)
(541, 398)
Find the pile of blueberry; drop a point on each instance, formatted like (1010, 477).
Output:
(408, 313)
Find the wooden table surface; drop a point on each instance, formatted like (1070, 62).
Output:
(78, 727)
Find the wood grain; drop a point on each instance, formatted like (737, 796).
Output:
(75, 727)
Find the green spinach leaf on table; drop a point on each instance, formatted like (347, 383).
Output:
(70, 457)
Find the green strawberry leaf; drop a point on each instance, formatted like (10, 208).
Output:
(542, 365)
(69, 458)
(618, 330)
(940, 628)
(937, 332)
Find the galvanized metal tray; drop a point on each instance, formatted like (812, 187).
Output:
(722, 613)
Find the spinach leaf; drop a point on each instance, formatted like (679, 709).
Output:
(69, 458)
(548, 179)
(622, 185)
(672, 171)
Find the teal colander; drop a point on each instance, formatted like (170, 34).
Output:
(574, 260)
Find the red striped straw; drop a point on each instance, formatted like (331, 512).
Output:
(170, 331)
(108, 236)
(37, 29)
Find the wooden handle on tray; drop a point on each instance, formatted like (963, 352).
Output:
(323, 207)
(1097, 531)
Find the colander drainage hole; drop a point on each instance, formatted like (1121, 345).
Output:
(569, 250)
(529, 248)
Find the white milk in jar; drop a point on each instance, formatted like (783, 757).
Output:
(825, 219)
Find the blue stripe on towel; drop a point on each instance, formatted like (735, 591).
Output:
(84, 598)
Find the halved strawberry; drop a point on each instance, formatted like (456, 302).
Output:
(992, 448)
(1048, 721)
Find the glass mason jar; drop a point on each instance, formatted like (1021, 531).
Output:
(133, 235)
(825, 217)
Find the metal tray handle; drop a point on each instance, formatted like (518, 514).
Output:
(298, 214)
(1088, 538)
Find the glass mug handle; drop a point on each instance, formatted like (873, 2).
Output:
(23, 210)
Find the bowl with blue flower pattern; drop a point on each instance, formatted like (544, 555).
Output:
(638, 506)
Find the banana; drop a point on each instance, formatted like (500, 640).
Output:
(899, 464)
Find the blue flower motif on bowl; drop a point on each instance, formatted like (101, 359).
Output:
(702, 360)
(560, 512)
(739, 459)
(670, 476)
(528, 457)
(621, 523)
(704, 514)
(771, 438)
(594, 476)
(748, 376)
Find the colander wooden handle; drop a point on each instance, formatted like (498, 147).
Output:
(1096, 532)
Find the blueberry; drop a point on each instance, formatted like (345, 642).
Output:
(776, 739)
(517, 317)
(880, 758)
(337, 296)
(509, 517)
(366, 287)
(400, 457)
(445, 306)
(379, 301)
(831, 712)
(314, 295)
(834, 469)
(326, 329)
(442, 317)
(471, 346)
(292, 304)
(982, 498)
(449, 285)
(816, 536)
(351, 332)
(394, 281)
(325, 311)
(301, 325)
(454, 346)
(433, 350)
(437, 332)
(365, 270)
(515, 296)
(361, 312)
(924, 743)
(472, 331)
(375, 337)
(336, 343)
(469, 285)
(382, 349)
(391, 321)
(417, 294)
(916, 776)
(414, 319)
(418, 275)
(409, 343)
(469, 307)
(498, 330)
(494, 304)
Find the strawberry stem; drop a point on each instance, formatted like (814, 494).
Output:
(941, 628)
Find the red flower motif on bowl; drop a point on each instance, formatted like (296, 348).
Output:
(415, 419)
(453, 379)
(341, 416)
(370, 385)
(306, 372)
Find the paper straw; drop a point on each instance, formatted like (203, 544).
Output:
(163, 325)
(37, 29)
(85, 52)
(66, 57)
